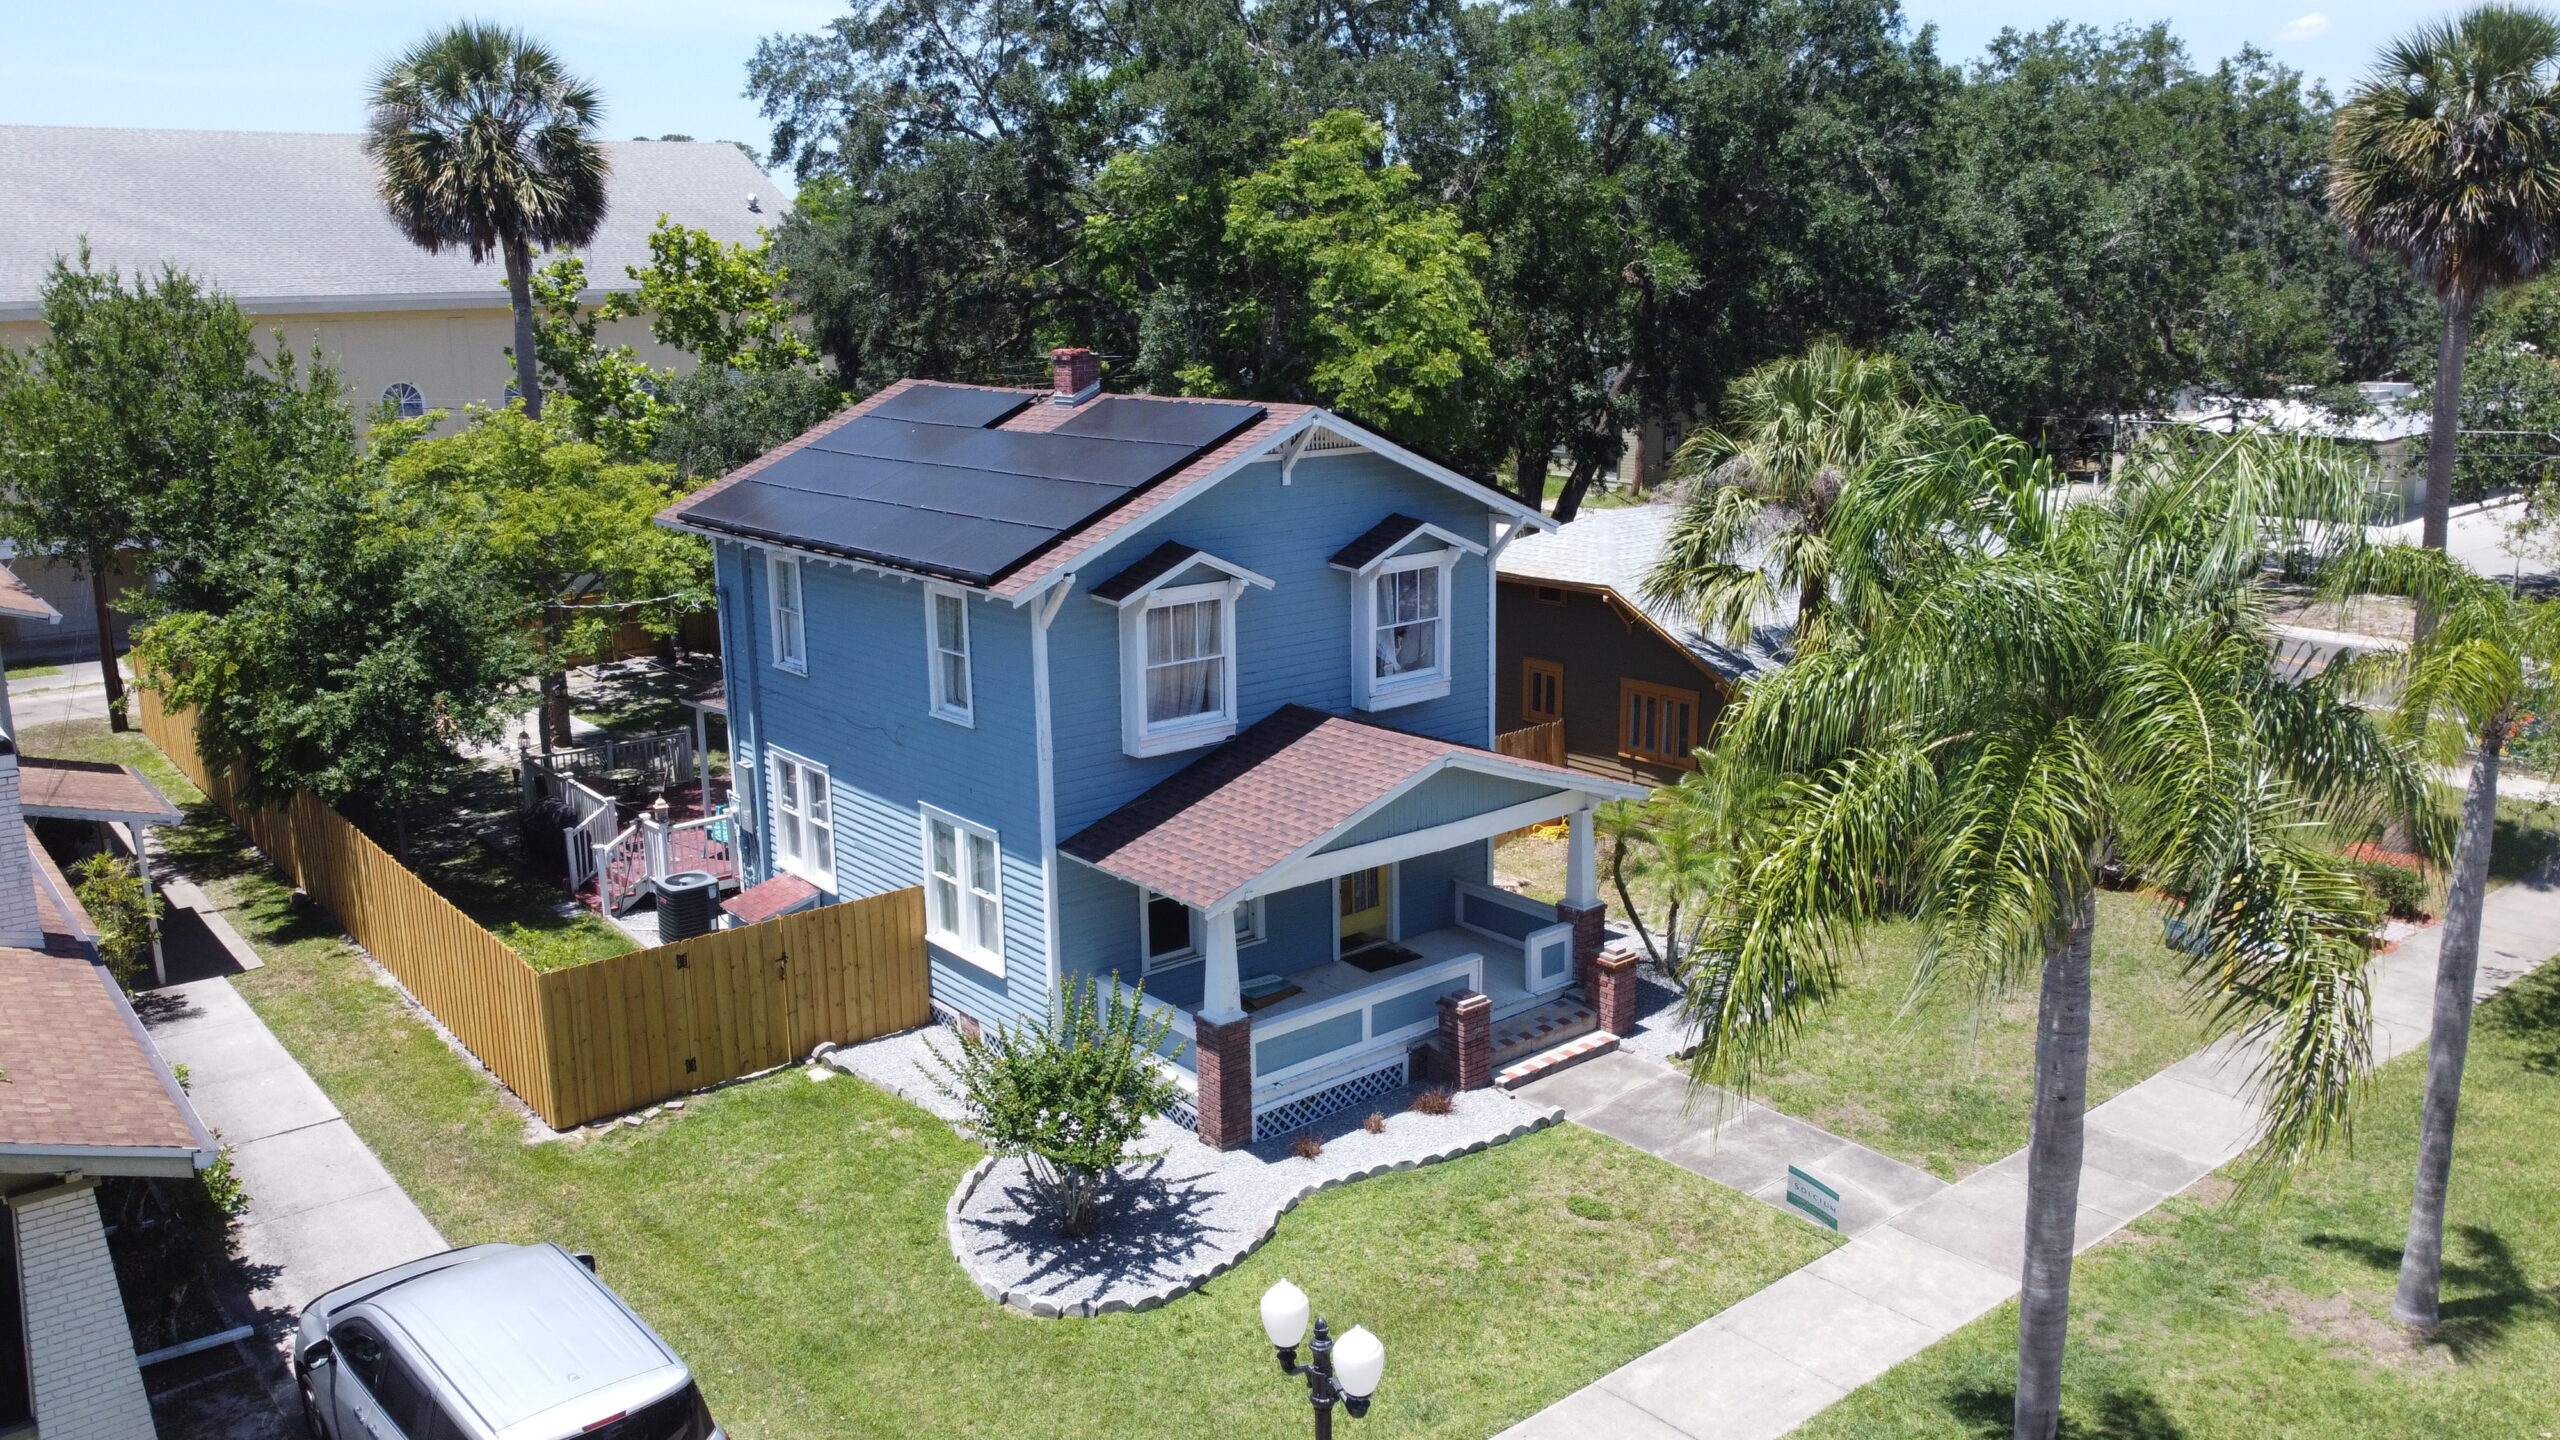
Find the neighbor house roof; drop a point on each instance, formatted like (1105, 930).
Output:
(91, 790)
(287, 223)
(1260, 800)
(20, 603)
(1613, 550)
(83, 1082)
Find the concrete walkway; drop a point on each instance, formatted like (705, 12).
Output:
(322, 1210)
(1782, 1356)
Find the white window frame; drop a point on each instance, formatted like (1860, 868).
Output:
(401, 395)
(789, 625)
(1377, 692)
(971, 941)
(1251, 931)
(1140, 737)
(943, 707)
(813, 857)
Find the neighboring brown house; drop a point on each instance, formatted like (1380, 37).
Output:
(1636, 685)
(83, 1095)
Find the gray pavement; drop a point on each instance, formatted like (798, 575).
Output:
(322, 1209)
(1908, 1279)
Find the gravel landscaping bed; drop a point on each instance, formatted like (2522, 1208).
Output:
(1173, 1222)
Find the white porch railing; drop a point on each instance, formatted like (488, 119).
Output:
(1546, 943)
(649, 851)
(1289, 1048)
(661, 760)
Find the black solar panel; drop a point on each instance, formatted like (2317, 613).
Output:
(1198, 424)
(961, 405)
(920, 482)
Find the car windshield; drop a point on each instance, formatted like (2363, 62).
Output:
(680, 1416)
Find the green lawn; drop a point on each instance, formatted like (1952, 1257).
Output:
(1945, 1086)
(787, 1237)
(2204, 1322)
(33, 672)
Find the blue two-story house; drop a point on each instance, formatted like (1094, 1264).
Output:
(1194, 693)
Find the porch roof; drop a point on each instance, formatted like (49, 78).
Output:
(1286, 789)
(91, 790)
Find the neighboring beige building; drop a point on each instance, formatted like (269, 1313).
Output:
(291, 227)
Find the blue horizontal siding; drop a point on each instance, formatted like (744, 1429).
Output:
(1449, 796)
(1425, 898)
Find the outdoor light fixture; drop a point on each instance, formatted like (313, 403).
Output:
(1341, 1371)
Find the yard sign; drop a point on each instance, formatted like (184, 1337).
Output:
(1818, 1201)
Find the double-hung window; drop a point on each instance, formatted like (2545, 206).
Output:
(1177, 647)
(963, 889)
(783, 601)
(1403, 648)
(804, 826)
(946, 617)
(1410, 628)
(1171, 929)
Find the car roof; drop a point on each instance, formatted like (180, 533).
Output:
(523, 1331)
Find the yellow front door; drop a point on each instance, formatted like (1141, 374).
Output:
(1364, 908)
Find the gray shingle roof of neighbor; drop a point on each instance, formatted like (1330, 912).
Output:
(290, 222)
(1613, 550)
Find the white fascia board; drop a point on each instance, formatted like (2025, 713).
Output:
(1397, 551)
(1228, 568)
(1326, 864)
(825, 557)
(1371, 440)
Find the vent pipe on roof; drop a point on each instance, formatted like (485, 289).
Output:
(1075, 375)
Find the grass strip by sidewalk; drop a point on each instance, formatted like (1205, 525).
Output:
(787, 1236)
(2220, 1322)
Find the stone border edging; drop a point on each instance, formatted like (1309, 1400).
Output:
(1039, 1304)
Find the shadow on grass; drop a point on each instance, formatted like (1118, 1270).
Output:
(2528, 1017)
(2117, 1415)
(2485, 1292)
(2528, 836)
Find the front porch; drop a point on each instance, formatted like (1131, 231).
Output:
(1313, 906)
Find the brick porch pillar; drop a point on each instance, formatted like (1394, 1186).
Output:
(1465, 1041)
(1223, 1055)
(1590, 931)
(1613, 989)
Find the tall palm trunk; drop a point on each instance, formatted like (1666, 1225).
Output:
(520, 299)
(2053, 1172)
(100, 576)
(2445, 424)
(2449, 1039)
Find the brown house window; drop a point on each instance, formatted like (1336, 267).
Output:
(1547, 594)
(1541, 691)
(1657, 723)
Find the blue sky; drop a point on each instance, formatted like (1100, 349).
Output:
(677, 66)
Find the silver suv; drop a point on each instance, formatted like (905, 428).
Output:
(493, 1342)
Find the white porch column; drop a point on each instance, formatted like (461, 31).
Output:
(1220, 1000)
(1581, 862)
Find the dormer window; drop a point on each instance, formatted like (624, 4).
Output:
(1177, 648)
(1400, 638)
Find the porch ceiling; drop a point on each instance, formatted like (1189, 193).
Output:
(1271, 798)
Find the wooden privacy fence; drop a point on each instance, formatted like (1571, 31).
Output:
(1536, 742)
(609, 1035)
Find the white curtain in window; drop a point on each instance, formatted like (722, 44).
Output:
(944, 863)
(985, 896)
(1408, 621)
(1186, 661)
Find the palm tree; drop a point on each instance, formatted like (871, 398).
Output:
(1796, 431)
(2486, 659)
(2449, 156)
(2072, 689)
(480, 139)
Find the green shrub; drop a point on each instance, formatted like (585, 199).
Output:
(2401, 891)
(1069, 1095)
(111, 891)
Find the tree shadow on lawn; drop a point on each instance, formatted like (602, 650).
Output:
(2118, 1415)
(2486, 1292)
(1149, 1224)
(2528, 1015)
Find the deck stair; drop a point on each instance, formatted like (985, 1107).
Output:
(1564, 1031)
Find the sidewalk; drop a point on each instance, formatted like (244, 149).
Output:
(1782, 1356)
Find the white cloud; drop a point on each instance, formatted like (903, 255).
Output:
(2304, 27)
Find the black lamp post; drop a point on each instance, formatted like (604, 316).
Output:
(1341, 1372)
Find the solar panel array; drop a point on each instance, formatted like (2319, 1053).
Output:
(921, 482)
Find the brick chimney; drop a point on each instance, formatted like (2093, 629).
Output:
(1075, 375)
(20, 925)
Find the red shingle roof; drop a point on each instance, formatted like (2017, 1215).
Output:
(91, 790)
(778, 896)
(1292, 780)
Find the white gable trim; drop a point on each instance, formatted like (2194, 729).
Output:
(1397, 551)
(1489, 497)
(1228, 568)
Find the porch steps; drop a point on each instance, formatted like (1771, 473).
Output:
(1548, 1062)
(1542, 1028)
